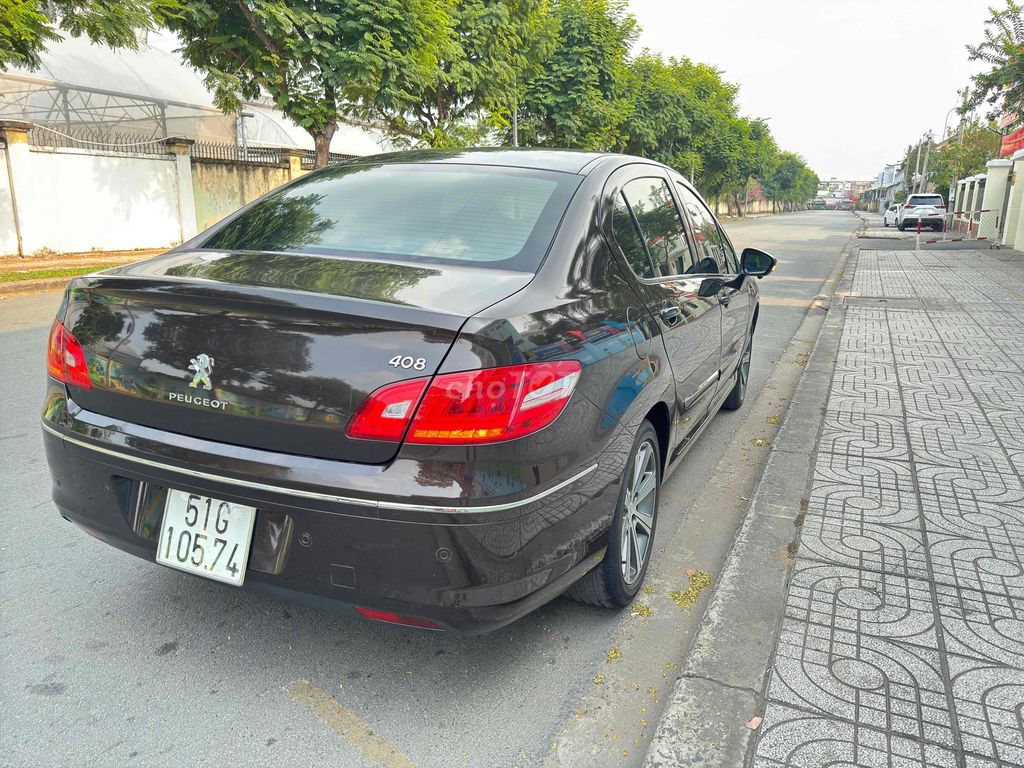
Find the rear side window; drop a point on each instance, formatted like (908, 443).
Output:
(484, 216)
(935, 200)
(628, 238)
(651, 202)
(711, 248)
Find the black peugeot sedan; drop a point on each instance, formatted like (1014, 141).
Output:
(433, 388)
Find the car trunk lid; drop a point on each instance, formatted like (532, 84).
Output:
(271, 351)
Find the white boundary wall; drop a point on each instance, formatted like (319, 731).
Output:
(74, 200)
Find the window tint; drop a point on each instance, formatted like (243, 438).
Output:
(489, 217)
(628, 238)
(935, 200)
(711, 249)
(660, 224)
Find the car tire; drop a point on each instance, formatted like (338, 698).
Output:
(885, 223)
(615, 581)
(739, 387)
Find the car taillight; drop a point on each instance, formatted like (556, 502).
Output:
(485, 406)
(65, 359)
(385, 413)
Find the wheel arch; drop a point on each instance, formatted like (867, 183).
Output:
(661, 421)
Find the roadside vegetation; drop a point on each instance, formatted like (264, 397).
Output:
(21, 275)
(451, 73)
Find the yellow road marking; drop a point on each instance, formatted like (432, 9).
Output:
(346, 722)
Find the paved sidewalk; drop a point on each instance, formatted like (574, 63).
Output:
(903, 637)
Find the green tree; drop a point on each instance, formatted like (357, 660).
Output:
(313, 59)
(577, 99)
(662, 109)
(790, 182)
(495, 48)
(26, 26)
(963, 155)
(1003, 50)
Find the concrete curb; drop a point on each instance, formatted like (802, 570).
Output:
(33, 286)
(722, 681)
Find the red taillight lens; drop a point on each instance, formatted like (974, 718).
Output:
(385, 413)
(396, 618)
(65, 359)
(908, 207)
(485, 406)
(493, 404)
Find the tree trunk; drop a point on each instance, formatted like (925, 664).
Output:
(322, 142)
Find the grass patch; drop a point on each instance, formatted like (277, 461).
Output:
(17, 276)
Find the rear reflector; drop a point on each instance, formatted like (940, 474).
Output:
(65, 359)
(469, 407)
(396, 618)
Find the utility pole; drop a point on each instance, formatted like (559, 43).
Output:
(917, 169)
(924, 171)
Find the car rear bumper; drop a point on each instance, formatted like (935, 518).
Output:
(322, 539)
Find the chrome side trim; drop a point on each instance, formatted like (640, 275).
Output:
(254, 485)
(702, 388)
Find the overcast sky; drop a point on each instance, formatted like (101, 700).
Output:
(849, 84)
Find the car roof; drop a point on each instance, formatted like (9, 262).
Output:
(563, 160)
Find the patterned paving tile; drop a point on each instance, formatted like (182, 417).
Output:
(914, 532)
(796, 739)
(851, 490)
(989, 700)
(962, 439)
(1009, 428)
(982, 625)
(864, 434)
(867, 680)
(994, 486)
(883, 605)
(858, 544)
(961, 516)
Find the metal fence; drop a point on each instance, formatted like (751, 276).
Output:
(80, 137)
(203, 150)
(959, 226)
(309, 158)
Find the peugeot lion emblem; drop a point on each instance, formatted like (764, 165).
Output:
(202, 365)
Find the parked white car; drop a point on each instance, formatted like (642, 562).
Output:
(928, 209)
(891, 217)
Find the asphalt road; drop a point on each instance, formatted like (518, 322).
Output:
(107, 660)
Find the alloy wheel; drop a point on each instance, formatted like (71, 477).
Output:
(638, 513)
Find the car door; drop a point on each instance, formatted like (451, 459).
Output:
(718, 260)
(667, 283)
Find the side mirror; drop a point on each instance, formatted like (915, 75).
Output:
(757, 263)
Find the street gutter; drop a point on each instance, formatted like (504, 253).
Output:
(711, 716)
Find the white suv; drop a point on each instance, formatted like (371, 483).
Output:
(927, 209)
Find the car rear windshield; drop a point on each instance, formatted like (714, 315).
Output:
(935, 200)
(494, 217)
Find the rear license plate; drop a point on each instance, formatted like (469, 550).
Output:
(206, 536)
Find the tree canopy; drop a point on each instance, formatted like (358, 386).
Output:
(313, 59)
(448, 73)
(965, 154)
(26, 26)
(1001, 86)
